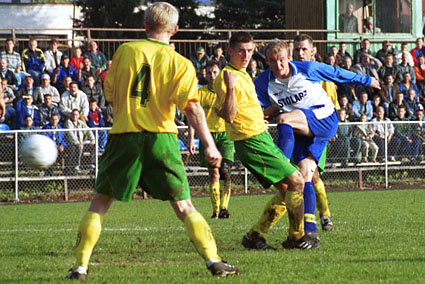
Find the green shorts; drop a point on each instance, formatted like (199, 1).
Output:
(260, 155)
(151, 160)
(224, 145)
(322, 161)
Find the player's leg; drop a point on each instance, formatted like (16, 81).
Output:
(214, 191)
(214, 180)
(288, 124)
(202, 238)
(307, 168)
(297, 237)
(227, 150)
(162, 178)
(268, 164)
(225, 188)
(88, 234)
(119, 173)
(273, 211)
(321, 197)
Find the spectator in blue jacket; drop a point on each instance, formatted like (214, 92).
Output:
(57, 136)
(33, 61)
(362, 105)
(65, 70)
(25, 108)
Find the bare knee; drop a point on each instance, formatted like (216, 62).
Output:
(101, 203)
(295, 182)
(182, 208)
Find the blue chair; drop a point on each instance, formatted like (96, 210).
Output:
(4, 127)
(182, 146)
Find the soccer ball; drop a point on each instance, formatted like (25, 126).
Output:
(39, 151)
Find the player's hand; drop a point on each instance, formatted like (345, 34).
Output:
(213, 156)
(191, 147)
(375, 84)
(229, 79)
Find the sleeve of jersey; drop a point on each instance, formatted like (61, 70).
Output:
(220, 90)
(187, 88)
(261, 88)
(323, 72)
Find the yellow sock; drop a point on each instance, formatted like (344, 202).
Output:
(201, 236)
(295, 205)
(225, 192)
(321, 199)
(215, 195)
(273, 211)
(88, 235)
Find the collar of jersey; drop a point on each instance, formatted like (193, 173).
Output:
(211, 90)
(234, 68)
(157, 41)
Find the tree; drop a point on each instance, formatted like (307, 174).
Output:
(250, 14)
(127, 14)
(110, 14)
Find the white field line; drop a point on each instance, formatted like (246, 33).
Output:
(107, 229)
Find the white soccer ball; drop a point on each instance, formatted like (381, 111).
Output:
(39, 151)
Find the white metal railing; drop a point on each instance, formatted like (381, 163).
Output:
(13, 171)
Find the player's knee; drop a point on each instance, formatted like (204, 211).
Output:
(224, 170)
(295, 182)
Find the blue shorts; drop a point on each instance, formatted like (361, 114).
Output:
(323, 129)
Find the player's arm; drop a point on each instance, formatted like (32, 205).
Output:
(196, 118)
(316, 71)
(270, 111)
(190, 143)
(229, 109)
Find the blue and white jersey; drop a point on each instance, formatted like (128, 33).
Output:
(302, 90)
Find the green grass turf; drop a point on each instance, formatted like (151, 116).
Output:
(378, 237)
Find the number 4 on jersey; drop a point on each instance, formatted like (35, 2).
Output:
(140, 86)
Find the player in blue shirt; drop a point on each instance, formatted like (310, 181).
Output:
(309, 116)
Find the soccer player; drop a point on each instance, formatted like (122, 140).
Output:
(294, 89)
(237, 103)
(303, 51)
(146, 81)
(220, 182)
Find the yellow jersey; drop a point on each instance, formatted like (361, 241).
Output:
(145, 83)
(249, 119)
(330, 90)
(207, 99)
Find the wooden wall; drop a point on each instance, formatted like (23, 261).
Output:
(306, 14)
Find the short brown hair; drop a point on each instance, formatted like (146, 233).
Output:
(239, 37)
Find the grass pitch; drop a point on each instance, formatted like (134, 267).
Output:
(378, 237)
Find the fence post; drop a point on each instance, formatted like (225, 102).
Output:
(386, 154)
(16, 169)
(246, 180)
(96, 137)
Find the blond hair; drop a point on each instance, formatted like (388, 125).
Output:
(275, 46)
(161, 17)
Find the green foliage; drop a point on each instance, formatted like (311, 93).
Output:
(110, 14)
(126, 14)
(250, 14)
(376, 240)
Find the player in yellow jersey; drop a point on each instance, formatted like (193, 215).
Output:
(237, 103)
(145, 83)
(220, 182)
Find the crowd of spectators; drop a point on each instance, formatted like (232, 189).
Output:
(49, 90)
(402, 97)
